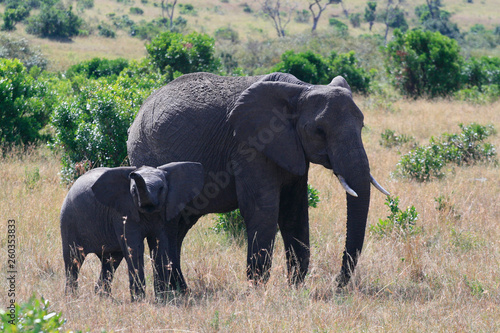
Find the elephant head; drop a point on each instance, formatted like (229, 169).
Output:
(148, 190)
(294, 123)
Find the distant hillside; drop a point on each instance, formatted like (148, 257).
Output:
(242, 16)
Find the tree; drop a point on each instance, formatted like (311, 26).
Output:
(277, 13)
(169, 8)
(424, 63)
(394, 17)
(54, 22)
(432, 18)
(371, 7)
(317, 8)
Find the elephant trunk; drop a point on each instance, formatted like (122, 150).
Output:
(354, 171)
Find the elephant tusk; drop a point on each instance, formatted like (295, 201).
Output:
(346, 187)
(378, 187)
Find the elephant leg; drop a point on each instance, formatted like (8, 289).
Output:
(294, 227)
(109, 264)
(168, 276)
(73, 261)
(132, 245)
(259, 205)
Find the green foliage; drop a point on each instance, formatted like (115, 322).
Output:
(476, 288)
(53, 21)
(401, 223)
(12, 16)
(481, 72)
(423, 63)
(306, 66)
(347, 65)
(97, 67)
(467, 148)
(487, 94)
(32, 316)
(389, 139)
(21, 49)
(232, 223)
(173, 52)
(31, 177)
(25, 105)
(106, 31)
(370, 9)
(394, 17)
(339, 26)
(227, 33)
(312, 196)
(313, 68)
(136, 11)
(91, 127)
(432, 18)
(187, 9)
(302, 16)
(355, 19)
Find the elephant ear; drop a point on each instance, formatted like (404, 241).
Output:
(112, 189)
(264, 118)
(339, 81)
(185, 180)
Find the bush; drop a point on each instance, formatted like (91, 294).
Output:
(106, 31)
(32, 316)
(466, 148)
(173, 52)
(21, 49)
(339, 26)
(346, 64)
(481, 72)
(25, 105)
(306, 66)
(313, 68)
(97, 67)
(54, 22)
(355, 19)
(232, 223)
(302, 16)
(187, 9)
(227, 33)
(389, 139)
(92, 126)
(423, 63)
(12, 16)
(136, 11)
(402, 223)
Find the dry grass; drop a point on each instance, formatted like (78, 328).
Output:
(447, 279)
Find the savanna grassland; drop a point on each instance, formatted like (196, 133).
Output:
(444, 279)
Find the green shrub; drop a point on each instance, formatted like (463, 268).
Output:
(389, 139)
(54, 22)
(233, 225)
(355, 19)
(227, 33)
(423, 63)
(32, 316)
(97, 67)
(347, 65)
(306, 66)
(21, 49)
(339, 26)
(25, 105)
(481, 72)
(313, 68)
(106, 31)
(136, 11)
(173, 52)
(401, 223)
(485, 95)
(187, 9)
(302, 16)
(12, 16)
(92, 126)
(466, 148)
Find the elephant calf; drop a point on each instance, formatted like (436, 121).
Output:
(109, 212)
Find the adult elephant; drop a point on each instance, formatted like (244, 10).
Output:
(255, 137)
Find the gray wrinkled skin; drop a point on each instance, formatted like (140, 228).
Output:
(109, 212)
(255, 137)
